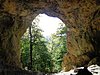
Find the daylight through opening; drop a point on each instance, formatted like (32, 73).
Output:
(44, 44)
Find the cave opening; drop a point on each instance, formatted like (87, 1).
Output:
(44, 44)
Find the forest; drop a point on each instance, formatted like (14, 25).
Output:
(43, 54)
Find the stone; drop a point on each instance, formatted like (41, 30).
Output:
(94, 61)
(70, 61)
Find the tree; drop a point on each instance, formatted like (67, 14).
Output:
(57, 47)
(40, 57)
(45, 55)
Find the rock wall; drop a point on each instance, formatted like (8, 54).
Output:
(12, 27)
(83, 33)
(82, 17)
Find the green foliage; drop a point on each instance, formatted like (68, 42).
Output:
(57, 47)
(47, 55)
(25, 49)
(41, 57)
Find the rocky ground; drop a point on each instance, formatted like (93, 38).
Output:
(94, 69)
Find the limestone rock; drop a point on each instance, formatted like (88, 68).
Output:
(70, 61)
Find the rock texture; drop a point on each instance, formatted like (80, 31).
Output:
(83, 34)
(82, 18)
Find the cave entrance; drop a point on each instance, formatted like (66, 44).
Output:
(44, 44)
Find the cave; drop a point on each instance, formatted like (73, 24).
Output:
(82, 17)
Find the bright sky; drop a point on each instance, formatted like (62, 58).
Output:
(48, 24)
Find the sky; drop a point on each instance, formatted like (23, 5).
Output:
(48, 24)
